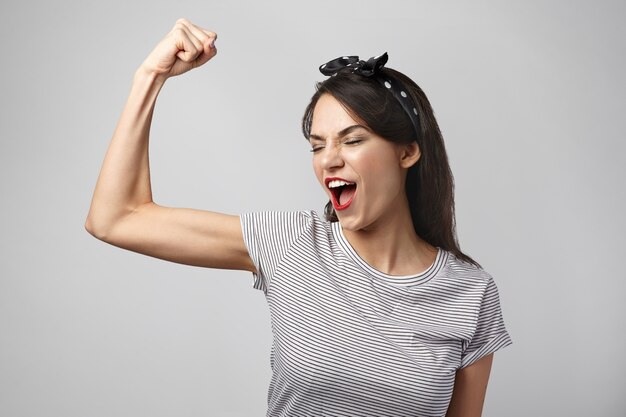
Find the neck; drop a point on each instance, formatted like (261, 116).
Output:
(392, 246)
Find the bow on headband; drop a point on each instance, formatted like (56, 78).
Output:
(372, 69)
(367, 68)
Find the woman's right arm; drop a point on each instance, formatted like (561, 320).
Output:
(122, 212)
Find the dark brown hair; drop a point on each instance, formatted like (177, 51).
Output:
(429, 183)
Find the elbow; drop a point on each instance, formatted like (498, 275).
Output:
(100, 225)
(95, 230)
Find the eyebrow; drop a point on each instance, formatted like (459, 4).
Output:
(341, 133)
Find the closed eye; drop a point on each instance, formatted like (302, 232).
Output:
(316, 145)
(353, 141)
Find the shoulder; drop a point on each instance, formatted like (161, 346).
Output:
(467, 274)
(286, 224)
(279, 217)
(269, 236)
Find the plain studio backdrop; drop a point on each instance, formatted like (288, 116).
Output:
(530, 99)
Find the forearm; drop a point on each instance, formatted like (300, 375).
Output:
(124, 180)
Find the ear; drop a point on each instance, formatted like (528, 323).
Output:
(409, 154)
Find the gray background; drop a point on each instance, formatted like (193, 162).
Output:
(530, 99)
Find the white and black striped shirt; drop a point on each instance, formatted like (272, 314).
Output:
(349, 340)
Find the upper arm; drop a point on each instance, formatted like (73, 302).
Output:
(182, 235)
(470, 386)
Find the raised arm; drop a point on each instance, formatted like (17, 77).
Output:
(122, 212)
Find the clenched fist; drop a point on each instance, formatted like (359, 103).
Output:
(185, 47)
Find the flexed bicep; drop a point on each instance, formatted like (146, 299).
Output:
(183, 235)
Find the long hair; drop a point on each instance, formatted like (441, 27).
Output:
(429, 182)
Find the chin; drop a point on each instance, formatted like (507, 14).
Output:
(373, 219)
(346, 223)
(352, 224)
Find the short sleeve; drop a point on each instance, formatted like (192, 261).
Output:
(490, 333)
(268, 236)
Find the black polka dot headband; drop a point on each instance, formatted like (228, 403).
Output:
(372, 69)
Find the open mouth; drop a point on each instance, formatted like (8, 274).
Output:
(342, 192)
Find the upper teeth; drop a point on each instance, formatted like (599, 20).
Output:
(338, 183)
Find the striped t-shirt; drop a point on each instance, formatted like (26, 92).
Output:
(349, 340)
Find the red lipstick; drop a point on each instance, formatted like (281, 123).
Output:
(343, 194)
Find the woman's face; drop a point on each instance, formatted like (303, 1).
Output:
(362, 173)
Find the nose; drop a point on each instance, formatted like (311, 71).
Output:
(331, 158)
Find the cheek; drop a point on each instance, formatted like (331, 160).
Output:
(373, 164)
(380, 171)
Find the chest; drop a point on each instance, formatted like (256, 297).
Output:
(340, 335)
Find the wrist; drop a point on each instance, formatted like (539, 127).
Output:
(145, 74)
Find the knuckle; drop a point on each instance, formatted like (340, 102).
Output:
(188, 57)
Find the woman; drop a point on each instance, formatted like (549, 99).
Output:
(375, 311)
